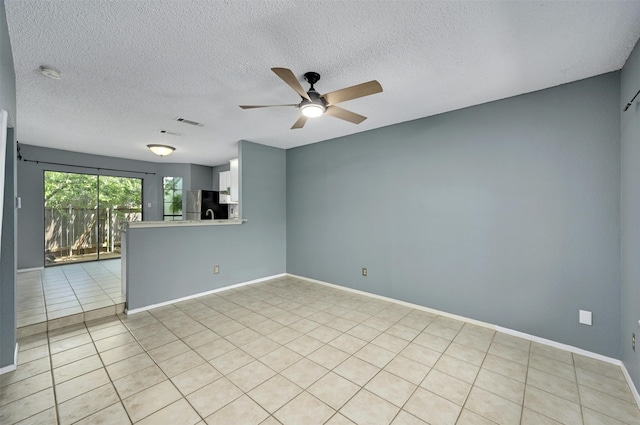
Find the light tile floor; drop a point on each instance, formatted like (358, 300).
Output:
(63, 295)
(292, 352)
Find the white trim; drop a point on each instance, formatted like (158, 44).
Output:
(512, 332)
(393, 300)
(201, 294)
(32, 269)
(634, 391)
(11, 367)
(559, 345)
(7, 369)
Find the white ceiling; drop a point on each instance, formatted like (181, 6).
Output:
(130, 67)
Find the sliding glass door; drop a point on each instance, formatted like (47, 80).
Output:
(84, 214)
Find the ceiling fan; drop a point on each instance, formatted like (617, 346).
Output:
(314, 104)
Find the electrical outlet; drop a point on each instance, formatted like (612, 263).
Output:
(216, 269)
(364, 272)
(585, 318)
(633, 341)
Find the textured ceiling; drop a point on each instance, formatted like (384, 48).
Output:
(130, 67)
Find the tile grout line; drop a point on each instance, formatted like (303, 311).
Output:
(288, 326)
(277, 373)
(53, 380)
(362, 387)
(526, 379)
(485, 357)
(486, 353)
(104, 366)
(69, 285)
(163, 372)
(401, 409)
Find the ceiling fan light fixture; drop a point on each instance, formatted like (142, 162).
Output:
(312, 110)
(161, 150)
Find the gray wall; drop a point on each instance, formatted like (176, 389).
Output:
(31, 190)
(8, 238)
(7, 73)
(630, 212)
(169, 263)
(507, 212)
(202, 178)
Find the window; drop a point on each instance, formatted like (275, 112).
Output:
(172, 189)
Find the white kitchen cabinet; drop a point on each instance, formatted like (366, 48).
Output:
(225, 181)
(229, 186)
(225, 186)
(234, 183)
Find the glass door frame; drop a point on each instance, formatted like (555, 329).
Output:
(96, 232)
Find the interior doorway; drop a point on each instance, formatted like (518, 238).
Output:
(84, 214)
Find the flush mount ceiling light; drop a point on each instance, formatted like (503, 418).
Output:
(161, 150)
(52, 73)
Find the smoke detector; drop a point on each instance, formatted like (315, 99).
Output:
(50, 72)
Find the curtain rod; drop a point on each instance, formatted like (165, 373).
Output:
(631, 101)
(21, 158)
(91, 168)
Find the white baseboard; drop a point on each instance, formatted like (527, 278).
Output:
(11, 367)
(393, 300)
(559, 345)
(636, 395)
(201, 294)
(33, 269)
(497, 328)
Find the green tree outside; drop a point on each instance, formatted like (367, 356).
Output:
(119, 200)
(172, 194)
(79, 191)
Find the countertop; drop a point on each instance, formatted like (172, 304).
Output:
(182, 223)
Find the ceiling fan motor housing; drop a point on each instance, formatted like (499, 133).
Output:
(315, 98)
(317, 104)
(312, 78)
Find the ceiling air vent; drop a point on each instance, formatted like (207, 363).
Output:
(170, 133)
(186, 121)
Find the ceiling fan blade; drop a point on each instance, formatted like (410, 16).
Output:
(265, 106)
(343, 114)
(300, 123)
(289, 77)
(353, 92)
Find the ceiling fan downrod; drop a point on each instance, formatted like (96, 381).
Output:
(312, 78)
